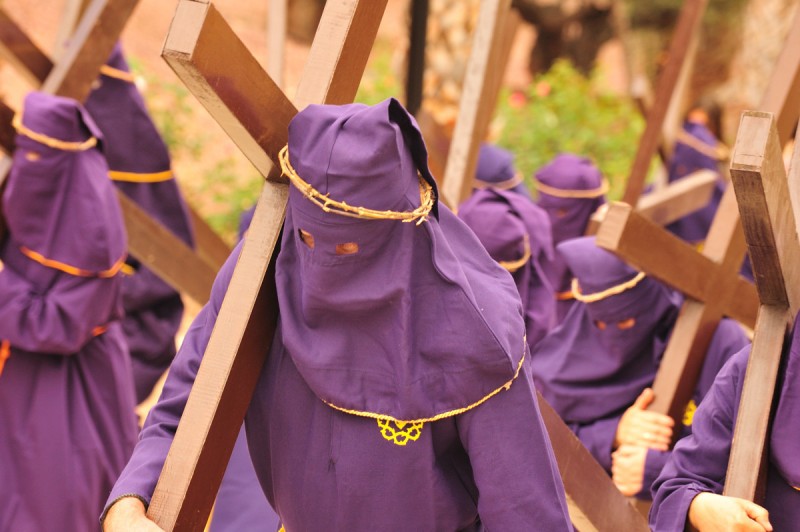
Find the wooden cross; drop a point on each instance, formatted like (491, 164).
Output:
(685, 30)
(256, 114)
(710, 280)
(246, 321)
(767, 203)
(188, 271)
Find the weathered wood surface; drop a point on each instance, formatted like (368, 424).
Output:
(768, 206)
(19, 50)
(188, 271)
(246, 322)
(687, 26)
(475, 110)
(678, 199)
(593, 500)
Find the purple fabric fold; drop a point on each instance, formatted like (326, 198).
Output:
(510, 226)
(140, 167)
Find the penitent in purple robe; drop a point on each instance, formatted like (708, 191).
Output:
(140, 167)
(516, 233)
(396, 394)
(570, 189)
(67, 424)
(592, 375)
(699, 463)
(495, 169)
(687, 159)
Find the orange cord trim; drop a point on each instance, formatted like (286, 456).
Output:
(72, 270)
(5, 352)
(564, 296)
(100, 329)
(116, 73)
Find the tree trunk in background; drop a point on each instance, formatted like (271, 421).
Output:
(751, 67)
(451, 24)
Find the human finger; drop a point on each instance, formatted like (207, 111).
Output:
(758, 514)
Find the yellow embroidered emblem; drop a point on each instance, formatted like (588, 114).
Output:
(399, 432)
(688, 414)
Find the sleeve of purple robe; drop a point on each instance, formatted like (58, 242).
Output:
(139, 477)
(144, 289)
(508, 446)
(653, 465)
(59, 321)
(598, 437)
(699, 462)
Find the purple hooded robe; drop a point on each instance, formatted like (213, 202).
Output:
(495, 169)
(140, 167)
(396, 395)
(699, 462)
(570, 190)
(66, 393)
(591, 376)
(516, 233)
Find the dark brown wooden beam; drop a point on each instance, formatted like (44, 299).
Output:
(593, 500)
(7, 133)
(770, 225)
(688, 24)
(258, 126)
(19, 50)
(245, 325)
(649, 248)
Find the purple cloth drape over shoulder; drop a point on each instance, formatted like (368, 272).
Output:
(141, 168)
(326, 469)
(66, 396)
(510, 226)
(699, 462)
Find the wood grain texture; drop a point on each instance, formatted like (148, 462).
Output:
(678, 199)
(165, 254)
(89, 49)
(653, 250)
(768, 209)
(232, 86)
(475, 109)
(747, 463)
(245, 325)
(593, 500)
(19, 50)
(688, 24)
(762, 192)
